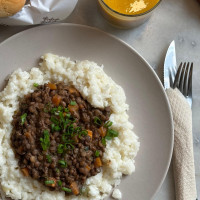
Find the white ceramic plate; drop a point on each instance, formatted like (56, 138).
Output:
(149, 108)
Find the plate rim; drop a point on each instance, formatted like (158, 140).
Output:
(140, 56)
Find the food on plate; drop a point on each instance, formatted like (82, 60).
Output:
(10, 7)
(131, 7)
(64, 132)
(59, 138)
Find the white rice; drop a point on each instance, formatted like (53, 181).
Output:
(101, 91)
(117, 194)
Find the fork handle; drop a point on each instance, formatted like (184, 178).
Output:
(183, 158)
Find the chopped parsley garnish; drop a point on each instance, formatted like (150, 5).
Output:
(48, 157)
(109, 135)
(55, 127)
(97, 152)
(53, 110)
(66, 110)
(108, 124)
(59, 183)
(112, 133)
(82, 133)
(55, 120)
(68, 115)
(49, 182)
(66, 189)
(35, 84)
(60, 148)
(57, 170)
(23, 118)
(62, 163)
(60, 108)
(73, 103)
(103, 141)
(97, 121)
(45, 141)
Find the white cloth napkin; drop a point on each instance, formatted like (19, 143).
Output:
(183, 158)
(41, 12)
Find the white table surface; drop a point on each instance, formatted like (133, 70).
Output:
(173, 19)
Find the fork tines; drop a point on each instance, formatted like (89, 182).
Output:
(183, 79)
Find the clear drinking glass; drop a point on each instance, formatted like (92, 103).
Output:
(122, 20)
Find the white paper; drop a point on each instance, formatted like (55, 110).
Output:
(41, 12)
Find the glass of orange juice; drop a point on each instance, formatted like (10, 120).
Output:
(127, 13)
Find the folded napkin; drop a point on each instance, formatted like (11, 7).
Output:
(183, 157)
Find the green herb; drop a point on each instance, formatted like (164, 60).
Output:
(60, 108)
(59, 183)
(73, 103)
(108, 124)
(62, 163)
(57, 170)
(69, 145)
(54, 120)
(68, 115)
(108, 137)
(112, 133)
(97, 153)
(45, 141)
(103, 141)
(62, 119)
(97, 121)
(60, 148)
(52, 127)
(48, 157)
(82, 133)
(66, 110)
(23, 118)
(66, 189)
(49, 182)
(35, 84)
(57, 128)
(53, 110)
(70, 129)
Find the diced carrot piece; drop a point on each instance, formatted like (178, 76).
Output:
(97, 162)
(102, 131)
(72, 108)
(52, 184)
(74, 188)
(72, 90)
(56, 99)
(28, 135)
(81, 106)
(88, 168)
(90, 133)
(52, 86)
(25, 171)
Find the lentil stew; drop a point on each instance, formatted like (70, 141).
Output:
(59, 138)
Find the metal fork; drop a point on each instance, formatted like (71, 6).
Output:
(183, 80)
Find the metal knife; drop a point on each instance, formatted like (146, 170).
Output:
(170, 67)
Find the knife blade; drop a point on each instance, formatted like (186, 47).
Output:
(170, 66)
